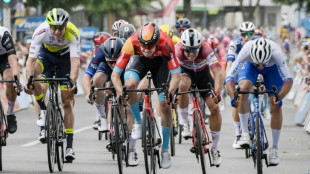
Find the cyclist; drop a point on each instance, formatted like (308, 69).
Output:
(116, 26)
(9, 68)
(125, 31)
(98, 39)
(56, 42)
(247, 33)
(265, 57)
(182, 24)
(166, 29)
(149, 49)
(220, 53)
(195, 57)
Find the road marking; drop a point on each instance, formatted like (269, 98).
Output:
(75, 132)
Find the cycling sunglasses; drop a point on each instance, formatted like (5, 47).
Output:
(57, 27)
(191, 50)
(147, 47)
(249, 34)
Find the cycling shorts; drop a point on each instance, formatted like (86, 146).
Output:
(200, 78)
(49, 60)
(4, 63)
(271, 76)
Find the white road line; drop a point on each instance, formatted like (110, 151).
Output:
(75, 132)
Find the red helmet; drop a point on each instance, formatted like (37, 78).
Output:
(213, 42)
(100, 37)
(149, 34)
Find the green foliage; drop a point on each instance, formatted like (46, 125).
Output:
(299, 2)
(47, 5)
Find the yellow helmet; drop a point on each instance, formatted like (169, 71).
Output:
(166, 29)
(57, 16)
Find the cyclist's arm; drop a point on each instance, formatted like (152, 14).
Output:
(117, 83)
(231, 55)
(8, 45)
(75, 66)
(173, 65)
(174, 83)
(86, 83)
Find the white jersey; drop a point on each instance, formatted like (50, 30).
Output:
(244, 56)
(42, 36)
(6, 45)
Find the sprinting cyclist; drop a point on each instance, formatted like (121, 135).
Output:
(56, 42)
(195, 57)
(265, 57)
(98, 39)
(149, 49)
(247, 33)
(9, 68)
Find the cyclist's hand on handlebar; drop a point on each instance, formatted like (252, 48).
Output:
(168, 98)
(217, 98)
(234, 103)
(279, 103)
(72, 88)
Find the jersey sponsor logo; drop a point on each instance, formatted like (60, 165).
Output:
(214, 61)
(236, 69)
(172, 60)
(120, 58)
(40, 31)
(74, 34)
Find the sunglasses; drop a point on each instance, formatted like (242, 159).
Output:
(249, 34)
(57, 27)
(147, 47)
(191, 50)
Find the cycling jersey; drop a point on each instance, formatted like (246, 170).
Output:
(93, 65)
(235, 47)
(164, 48)
(205, 58)
(276, 59)
(42, 36)
(7, 44)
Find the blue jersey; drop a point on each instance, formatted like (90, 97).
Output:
(235, 47)
(97, 59)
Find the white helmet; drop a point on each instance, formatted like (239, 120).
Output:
(191, 38)
(261, 51)
(247, 27)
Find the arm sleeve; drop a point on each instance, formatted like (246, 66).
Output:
(173, 62)
(231, 53)
(94, 64)
(37, 40)
(126, 53)
(7, 43)
(75, 47)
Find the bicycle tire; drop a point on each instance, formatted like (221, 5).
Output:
(118, 142)
(172, 144)
(51, 136)
(180, 133)
(60, 155)
(198, 142)
(148, 142)
(259, 164)
(2, 131)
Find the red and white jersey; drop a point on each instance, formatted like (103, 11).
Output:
(205, 58)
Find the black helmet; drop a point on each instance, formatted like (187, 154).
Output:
(183, 23)
(112, 48)
(126, 30)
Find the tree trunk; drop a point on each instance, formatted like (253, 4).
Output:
(187, 8)
(253, 10)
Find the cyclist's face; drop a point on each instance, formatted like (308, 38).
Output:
(148, 51)
(191, 53)
(58, 31)
(246, 36)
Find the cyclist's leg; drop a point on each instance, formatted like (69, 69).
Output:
(134, 72)
(246, 78)
(184, 85)
(10, 94)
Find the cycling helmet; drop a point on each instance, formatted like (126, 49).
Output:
(149, 34)
(191, 38)
(183, 23)
(57, 16)
(261, 51)
(117, 24)
(112, 48)
(100, 37)
(126, 30)
(166, 29)
(213, 42)
(247, 27)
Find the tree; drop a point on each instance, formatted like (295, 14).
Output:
(187, 8)
(250, 9)
(49, 5)
(299, 2)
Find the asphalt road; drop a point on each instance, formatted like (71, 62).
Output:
(24, 154)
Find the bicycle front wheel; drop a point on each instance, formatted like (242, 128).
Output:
(60, 156)
(148, 142)
(258, 143)
(118, 138)
(199, 142)
(51, 136)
